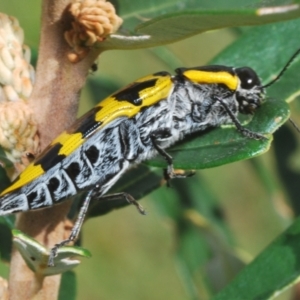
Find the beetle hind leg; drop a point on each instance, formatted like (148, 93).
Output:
(123, 196)
(92, 195)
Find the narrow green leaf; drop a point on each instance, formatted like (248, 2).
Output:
(136, 11)
(192, 247)
(170, 28)
(6, 242)
(36, 255)
(68, 285)
(285, 145)
(8, 221)
(266, 177)
(4, 180)
(277, 267)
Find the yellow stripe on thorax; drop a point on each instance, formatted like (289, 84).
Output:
(222, 77)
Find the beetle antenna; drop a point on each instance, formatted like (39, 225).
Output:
(295, 125)
(283, 69)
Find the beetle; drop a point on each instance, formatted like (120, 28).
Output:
(130, 126)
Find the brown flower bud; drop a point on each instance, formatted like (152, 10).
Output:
(94, 20)
(18, 132)
(16, 73)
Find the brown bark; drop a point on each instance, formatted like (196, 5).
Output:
(54, 102)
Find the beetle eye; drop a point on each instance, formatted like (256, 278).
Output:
(248, 78)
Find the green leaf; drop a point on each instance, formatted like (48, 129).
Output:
(277, 267)
(134, 12)
(67, 289)
(173, 27)
(36, 255)
(6, 242)
(8, 220)
(4, 180)
(285, 145)
(191, 254)
(222, 146)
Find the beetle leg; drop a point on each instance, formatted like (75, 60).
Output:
(244, 131)
(169, 172)
(76, 228)
(92, 194)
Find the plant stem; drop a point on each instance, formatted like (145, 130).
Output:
(54, 102)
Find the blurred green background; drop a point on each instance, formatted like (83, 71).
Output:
(134, 256)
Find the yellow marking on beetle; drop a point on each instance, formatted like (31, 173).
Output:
(29, 174)
(69, 142)
(113, 108)
(222, 77)
(145, 78)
